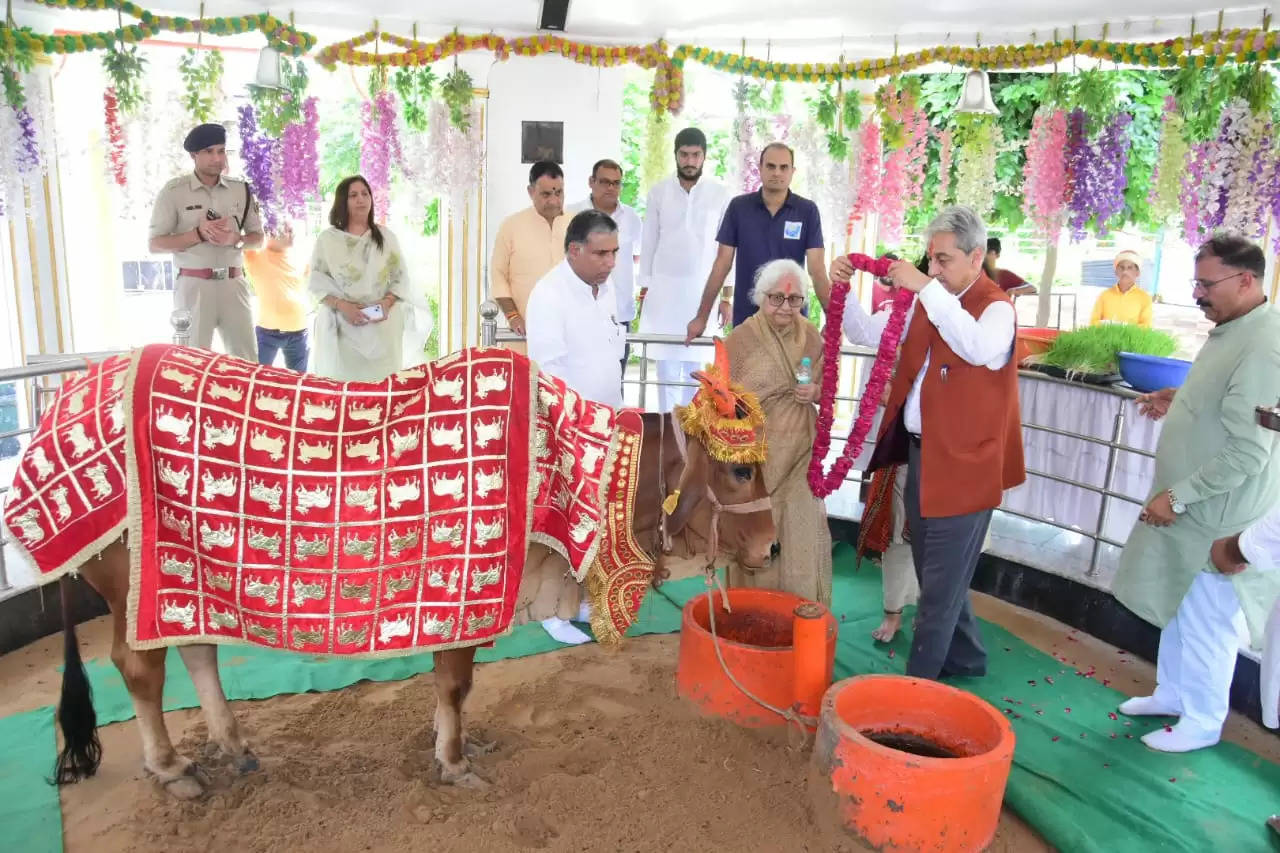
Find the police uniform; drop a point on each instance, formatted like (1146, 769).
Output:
(210, 279)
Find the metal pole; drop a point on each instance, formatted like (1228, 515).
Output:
(4, 574)
(1116, 432)
(488, 323)
(644, 374)
(180, 319)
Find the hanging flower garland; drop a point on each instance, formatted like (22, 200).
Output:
(978, 139)
(118, 165)
(905, 130)
(1237, 157)
(657, 148)
(1171, 159)
(824, 484)
(258, 151)
(379, 146)
(202, 78)
(944, 166)
(1194, 183)
(1097, 168)
(300, 162)
(126, 68)
(1044, 193)
(24, 135)
(868, 189)
(457, 155)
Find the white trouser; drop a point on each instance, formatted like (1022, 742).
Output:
(670, 396)
(1197, 655)
(898, 569)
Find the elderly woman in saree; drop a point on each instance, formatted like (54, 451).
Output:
(367, 312)
(765, 353)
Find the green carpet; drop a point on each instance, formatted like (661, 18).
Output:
(1082, 779)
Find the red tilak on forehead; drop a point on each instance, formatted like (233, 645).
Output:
(788, 285)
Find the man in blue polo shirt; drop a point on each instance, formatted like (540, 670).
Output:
(766, 225)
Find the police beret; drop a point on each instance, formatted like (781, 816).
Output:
(204, 136)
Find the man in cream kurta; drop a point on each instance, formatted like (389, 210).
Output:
(677, 249)
(529, 243)
(1217, 473)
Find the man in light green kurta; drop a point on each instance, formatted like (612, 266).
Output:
(1216, 473)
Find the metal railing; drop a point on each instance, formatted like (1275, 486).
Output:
(1115, 445)
(47, 365)
(41, 366)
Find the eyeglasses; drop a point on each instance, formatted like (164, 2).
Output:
(607, 184)
(777, 299)
(1205, 285)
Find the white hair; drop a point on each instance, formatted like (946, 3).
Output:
(962, 221)
(773, 273)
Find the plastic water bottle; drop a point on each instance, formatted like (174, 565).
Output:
(805, 374)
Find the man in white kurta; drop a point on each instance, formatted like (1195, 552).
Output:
(572, 328)
(606, 188)
(1217, 472)
(677, 249)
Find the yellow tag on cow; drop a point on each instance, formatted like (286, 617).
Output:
(669, 505)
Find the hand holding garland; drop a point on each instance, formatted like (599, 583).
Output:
(841, 270)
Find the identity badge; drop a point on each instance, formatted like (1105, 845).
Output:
(791, 230)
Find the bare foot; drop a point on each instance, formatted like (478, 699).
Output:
(888, 628)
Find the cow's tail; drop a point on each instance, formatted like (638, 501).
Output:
(81, 751)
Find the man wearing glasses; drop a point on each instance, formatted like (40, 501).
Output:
(606, 187)
(1216, 474)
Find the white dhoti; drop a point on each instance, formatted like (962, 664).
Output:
(671, 394)
(670, 302)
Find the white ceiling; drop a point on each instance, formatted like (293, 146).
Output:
(860, 29)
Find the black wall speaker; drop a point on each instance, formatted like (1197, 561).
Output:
(553, 15)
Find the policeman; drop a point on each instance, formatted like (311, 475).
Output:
(205, 219)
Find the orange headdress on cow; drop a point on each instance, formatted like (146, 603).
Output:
(724, 416)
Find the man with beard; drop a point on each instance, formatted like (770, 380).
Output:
(1217, 473)
(677, 247)
(769, 224)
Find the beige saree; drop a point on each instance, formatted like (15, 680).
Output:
(764, 360)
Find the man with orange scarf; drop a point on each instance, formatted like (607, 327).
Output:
(953, 417)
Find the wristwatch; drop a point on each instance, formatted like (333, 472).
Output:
(1176, 505)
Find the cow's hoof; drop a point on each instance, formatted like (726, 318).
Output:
(461, 776)
(477, 748)
(191, 785)
(246, 763)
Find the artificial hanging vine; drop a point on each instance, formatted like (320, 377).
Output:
(276, 109)
(125, 68)
(414, 86)
(202, 77)
(457, 91)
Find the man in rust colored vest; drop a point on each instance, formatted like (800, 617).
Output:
(953, 417)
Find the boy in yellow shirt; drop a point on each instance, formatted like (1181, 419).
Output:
(282, 301)
(1124, 302)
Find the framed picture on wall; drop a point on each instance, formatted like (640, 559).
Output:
(541, 140)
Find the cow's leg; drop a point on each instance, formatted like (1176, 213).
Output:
(453, 683)
(224, 731)
(143, 674)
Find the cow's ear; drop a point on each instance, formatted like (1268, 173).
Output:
(692, 489)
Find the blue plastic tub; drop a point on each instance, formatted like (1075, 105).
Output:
(1151, 372)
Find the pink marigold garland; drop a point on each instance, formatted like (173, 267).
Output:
(824, 484)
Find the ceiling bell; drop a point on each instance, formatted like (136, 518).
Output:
(975, 96)
(269, 76)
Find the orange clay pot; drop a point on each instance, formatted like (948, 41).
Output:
(758, 640)
(898, 800)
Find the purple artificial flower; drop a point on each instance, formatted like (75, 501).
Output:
(258, 151)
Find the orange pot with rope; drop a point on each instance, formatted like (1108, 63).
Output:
(768, 662)
(909, 764)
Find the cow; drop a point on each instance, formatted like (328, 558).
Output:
(698, 489)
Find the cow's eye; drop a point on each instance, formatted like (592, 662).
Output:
(743, 472)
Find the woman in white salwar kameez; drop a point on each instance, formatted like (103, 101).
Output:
(358, 265)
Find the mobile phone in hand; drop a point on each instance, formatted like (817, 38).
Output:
(373, 312)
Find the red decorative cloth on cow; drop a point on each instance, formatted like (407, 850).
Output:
(274, 508)
(292, 511)
(67, 501)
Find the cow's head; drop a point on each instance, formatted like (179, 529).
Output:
(723, 467)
